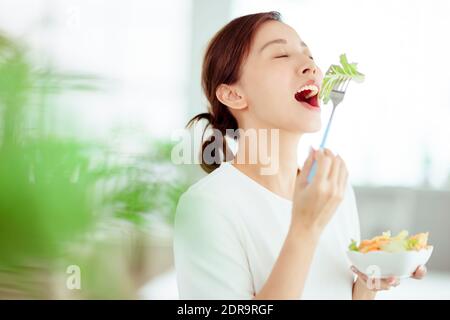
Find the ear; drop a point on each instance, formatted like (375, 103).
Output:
(231, 96)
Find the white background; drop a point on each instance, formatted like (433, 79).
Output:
(392, 129)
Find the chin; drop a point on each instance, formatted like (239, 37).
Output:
(304, 121)
(310, 127)
(315, 128)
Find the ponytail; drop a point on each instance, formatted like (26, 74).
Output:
(209, 158)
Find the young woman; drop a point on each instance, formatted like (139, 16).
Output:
(242, 234)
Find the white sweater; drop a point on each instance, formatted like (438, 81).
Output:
(229, 231)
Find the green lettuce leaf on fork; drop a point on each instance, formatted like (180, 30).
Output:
(337, 74)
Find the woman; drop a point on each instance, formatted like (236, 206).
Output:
(241, 232)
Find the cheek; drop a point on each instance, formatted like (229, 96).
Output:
(264, 101)
(270, 88)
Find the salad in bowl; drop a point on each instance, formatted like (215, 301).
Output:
(386, 256)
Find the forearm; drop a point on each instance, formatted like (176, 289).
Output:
(288, 276)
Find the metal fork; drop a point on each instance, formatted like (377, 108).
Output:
(336, 95)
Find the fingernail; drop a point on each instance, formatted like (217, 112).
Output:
(311, 149)
(392, 281)
(353, 268)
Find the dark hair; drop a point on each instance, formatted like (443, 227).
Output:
(221, 65)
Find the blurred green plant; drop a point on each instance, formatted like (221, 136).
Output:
(55, 190)
(43, 179)
(153, 185)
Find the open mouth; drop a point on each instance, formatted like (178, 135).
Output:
(308, 94)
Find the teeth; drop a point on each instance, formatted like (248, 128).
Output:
(313, 88)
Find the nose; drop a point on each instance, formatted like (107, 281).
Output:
(309, 67)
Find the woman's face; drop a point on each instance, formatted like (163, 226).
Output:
(278, 65)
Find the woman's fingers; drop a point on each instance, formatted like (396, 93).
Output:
(338, 175)
(359, 273)
(304, 173)
(377, 284)
(328, 152)
(343, 176)
(386, 284)
(333, 167)
(420, 272)
(335, 170)
(323, 165)
(396, 282)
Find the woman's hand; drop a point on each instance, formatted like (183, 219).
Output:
(313, 206)
(315, 203)
(365, 288)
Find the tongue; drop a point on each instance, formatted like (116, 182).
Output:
(301, 97)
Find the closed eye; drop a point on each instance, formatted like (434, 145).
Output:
(287, 56)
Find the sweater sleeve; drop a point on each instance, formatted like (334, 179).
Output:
(210, 259)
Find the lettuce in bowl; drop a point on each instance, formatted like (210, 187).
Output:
(385, 242)
(386, 256)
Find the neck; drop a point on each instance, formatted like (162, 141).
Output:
(270, 158)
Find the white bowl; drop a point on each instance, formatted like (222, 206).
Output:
(381, 264)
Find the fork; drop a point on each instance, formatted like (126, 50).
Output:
(336, 95)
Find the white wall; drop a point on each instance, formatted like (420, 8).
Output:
(392, 129)
(387, 126)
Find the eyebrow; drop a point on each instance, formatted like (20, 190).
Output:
(282, 41)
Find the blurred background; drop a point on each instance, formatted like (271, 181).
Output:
(94, 94)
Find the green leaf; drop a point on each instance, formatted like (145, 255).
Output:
(337, 74)
(353, 246)
(411, 243)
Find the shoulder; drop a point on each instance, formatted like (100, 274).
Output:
(207, 199)
(212, 189)
(205, 217)
(217, 181)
